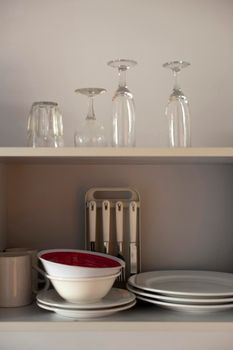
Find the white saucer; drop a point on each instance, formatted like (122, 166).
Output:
(177, 299)
(116, 297)
(188, 307)
(185, 283)
(86, 314)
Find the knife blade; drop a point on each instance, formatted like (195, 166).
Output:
(92, 224)
(119, 228)
(106, 224)
(133, 237)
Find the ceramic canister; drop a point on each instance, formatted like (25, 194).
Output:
(15, 279)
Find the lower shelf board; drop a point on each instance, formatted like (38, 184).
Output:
(143, 317)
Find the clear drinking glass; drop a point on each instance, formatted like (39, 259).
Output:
(123, 132)
(177, 110)
(45, 125)
(91, 133)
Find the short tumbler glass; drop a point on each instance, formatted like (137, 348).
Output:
(45, 125)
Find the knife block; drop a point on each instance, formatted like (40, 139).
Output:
(113, 195)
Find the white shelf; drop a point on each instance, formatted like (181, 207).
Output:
(143, 317)
(117, 155)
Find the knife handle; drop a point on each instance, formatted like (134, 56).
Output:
(92, 221)
(106, 220)
(119, 221)
(133, 221)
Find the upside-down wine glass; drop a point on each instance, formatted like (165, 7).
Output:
(177, 110)
(123, 124)
(91, 133)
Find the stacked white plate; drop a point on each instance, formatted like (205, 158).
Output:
(188, 291)
(116, 300)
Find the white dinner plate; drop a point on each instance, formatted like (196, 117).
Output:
(116, 297)
(178, 300)
(185, 283)
(188, 307)
(86, 314)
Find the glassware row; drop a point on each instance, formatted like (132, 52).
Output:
(45, 124)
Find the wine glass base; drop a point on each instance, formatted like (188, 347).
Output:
(90, 91)
(123, 64)
(176, 66)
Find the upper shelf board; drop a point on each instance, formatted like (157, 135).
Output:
(110, 155)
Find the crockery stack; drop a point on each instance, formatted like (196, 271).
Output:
(82, 280)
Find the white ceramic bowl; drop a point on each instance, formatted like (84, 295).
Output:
(83, 290)
(72, 263)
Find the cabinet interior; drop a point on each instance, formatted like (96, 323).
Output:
(3, 206)
(186, 209)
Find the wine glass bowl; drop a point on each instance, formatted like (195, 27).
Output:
(177, 110)
(91, 133)
(123, 122)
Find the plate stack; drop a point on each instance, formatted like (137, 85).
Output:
(116, 300)
(187, 291)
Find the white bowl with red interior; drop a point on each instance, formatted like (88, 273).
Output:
(72, 263)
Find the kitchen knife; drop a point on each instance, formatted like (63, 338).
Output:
(92, 224)
(133, 237)
(119, 228)
(106, 224)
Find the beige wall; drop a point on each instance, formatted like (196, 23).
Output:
(50, 47)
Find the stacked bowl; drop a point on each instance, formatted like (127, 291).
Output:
(80, 276)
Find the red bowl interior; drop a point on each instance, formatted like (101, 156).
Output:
(80, 259)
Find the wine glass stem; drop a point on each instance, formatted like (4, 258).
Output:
(176, 85)
(122, 77)
(91, 113)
